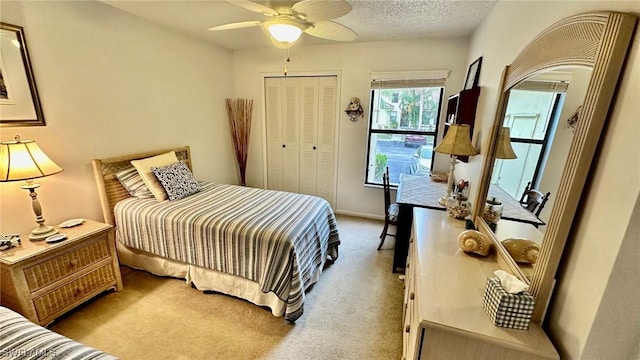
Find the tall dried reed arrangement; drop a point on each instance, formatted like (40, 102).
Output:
(240, 112)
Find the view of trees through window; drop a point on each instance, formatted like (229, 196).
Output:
(402, 129)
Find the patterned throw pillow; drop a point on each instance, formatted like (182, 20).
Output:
(132, 182)
(177, 180)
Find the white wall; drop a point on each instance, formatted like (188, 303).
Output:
(604, 216)
(563, 136)
(112, 84)
(354, 62)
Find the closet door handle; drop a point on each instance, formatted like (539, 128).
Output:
(284, 146)
(314, 148)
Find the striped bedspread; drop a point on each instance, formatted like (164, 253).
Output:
(22, 339)
(278, 239)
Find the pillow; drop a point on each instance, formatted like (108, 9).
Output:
(144, 169)
(131, 180)
(177, 180)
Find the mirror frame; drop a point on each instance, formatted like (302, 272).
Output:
(599, 40)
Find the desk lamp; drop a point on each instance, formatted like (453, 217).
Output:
(456, 142)
(24, 160)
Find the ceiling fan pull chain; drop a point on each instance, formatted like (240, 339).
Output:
(286, 60)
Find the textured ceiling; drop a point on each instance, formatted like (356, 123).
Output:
(373, 20)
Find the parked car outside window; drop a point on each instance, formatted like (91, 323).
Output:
(414, 140)
(421, 160)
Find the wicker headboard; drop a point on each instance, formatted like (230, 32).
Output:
(109, 188)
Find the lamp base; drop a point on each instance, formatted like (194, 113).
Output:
(42, 232)
(443, 200)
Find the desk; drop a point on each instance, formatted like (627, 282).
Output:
(420, 191)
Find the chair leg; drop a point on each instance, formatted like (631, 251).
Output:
(382, 241)
(383, 236)
(384, 230)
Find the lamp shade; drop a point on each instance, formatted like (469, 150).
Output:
(284, 32)
(457, 142)
(503, 147)
(24, 160)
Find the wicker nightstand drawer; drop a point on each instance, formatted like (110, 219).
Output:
(52, 270)
(56, 301)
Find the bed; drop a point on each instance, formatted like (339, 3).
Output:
(264, 246)
(22, 339)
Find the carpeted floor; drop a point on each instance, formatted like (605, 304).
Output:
(353, 312)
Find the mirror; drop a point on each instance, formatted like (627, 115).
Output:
(589, 46)
(540, 113)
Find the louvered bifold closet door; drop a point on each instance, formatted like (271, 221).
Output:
(327, 123)
(273, 113)
(308, 134)
(291, 134)
(301, 134)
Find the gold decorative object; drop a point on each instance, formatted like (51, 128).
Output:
(473, 241)
(437, 176)
(522, 250)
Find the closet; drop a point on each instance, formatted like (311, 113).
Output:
(301, 124)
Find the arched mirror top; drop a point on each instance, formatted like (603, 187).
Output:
(580, 36)
(598, 41)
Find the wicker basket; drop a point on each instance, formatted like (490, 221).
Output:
(439, 176)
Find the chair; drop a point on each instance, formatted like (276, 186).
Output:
(533, 199)
(390, 210)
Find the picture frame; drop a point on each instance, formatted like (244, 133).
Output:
(19, 100)
(473, 74)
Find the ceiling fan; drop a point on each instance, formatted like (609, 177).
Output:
(289, 19)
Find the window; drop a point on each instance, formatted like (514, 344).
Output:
(532, 116)
(403, 124)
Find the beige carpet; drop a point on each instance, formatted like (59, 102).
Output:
(353, 312)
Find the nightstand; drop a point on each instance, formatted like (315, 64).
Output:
(43, 281)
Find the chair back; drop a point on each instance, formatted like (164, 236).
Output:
(534, 200)
(387, 192)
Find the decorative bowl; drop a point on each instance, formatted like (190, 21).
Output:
(439, 176)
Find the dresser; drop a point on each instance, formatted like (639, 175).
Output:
(442, 313)
(43, 281)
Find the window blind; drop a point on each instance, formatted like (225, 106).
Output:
(408, 79)
(547, 86)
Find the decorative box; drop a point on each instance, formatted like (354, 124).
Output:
(505, 309)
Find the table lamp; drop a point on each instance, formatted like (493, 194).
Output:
(493, 208)
(24, 160)
(503, 147)
(457, 142)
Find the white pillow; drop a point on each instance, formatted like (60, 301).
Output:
(144, 169)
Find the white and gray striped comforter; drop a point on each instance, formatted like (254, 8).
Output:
(278, 239)
(22, 339)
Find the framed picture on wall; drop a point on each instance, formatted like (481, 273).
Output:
(473, 74)
(19, 101)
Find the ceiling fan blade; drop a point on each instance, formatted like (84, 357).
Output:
(321, 10)
(331, 31)
(255, 7)
(236, 25)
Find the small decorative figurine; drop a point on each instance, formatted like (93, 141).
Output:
(473, 241)
(354, 109)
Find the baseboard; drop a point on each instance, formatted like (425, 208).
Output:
(357, 214)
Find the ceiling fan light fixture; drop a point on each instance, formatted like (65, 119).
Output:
(285, 33)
